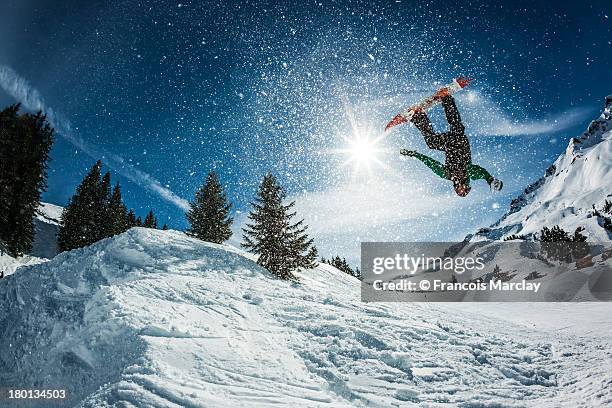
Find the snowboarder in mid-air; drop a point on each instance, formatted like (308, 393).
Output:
(458, 167)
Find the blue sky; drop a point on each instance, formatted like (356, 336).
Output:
(166, 91)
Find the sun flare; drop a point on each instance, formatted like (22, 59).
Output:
(361, 151)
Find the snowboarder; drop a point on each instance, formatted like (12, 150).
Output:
(458, 166)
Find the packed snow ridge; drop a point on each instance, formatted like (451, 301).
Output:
(565, 195)
(155, 318)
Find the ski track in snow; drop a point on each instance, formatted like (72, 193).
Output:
(157, 319)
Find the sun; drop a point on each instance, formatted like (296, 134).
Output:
(362, 142)
(361, 151)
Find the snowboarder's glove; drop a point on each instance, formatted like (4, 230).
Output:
(496, 184)
(406, 152)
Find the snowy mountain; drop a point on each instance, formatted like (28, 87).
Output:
(580, 178)
(46, 224)
(154, 318)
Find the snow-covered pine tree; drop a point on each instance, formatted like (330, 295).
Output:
(25, 142)
(150, 220)
(283, 247)
(117, 212)
(84, 219)
(209, 213)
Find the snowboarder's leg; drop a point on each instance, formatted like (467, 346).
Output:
(433, 164)
(452, 115)
(434, 141)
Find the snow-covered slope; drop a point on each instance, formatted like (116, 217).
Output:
(157, 319)
(580, 178)
(46, 224)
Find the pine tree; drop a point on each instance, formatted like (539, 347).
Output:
(560, 245)
(165, 227)
(130, 219)
(25, 142)
(150, 220)
(209, 213)
(554, 234)
(283, 247)
(104, 217)
(342, 265)
(85, 218)
(117, 212)
(139, 221)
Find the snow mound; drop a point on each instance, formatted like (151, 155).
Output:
(157, 319)
(577, 180)
(8, 264)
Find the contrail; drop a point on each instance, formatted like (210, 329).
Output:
(20, 89)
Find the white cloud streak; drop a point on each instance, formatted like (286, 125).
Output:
(488, 119)
(21, 90)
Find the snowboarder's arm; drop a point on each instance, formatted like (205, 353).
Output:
(433, 164)
(475, 172)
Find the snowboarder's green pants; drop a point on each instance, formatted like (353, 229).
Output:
(474, 171)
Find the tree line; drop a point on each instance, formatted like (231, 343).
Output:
(342, 265)
(96, 210)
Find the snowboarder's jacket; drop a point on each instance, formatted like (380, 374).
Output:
(458, 166)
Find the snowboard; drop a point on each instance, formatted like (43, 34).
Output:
(405, 116)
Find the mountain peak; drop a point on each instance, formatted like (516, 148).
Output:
(566, 193)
